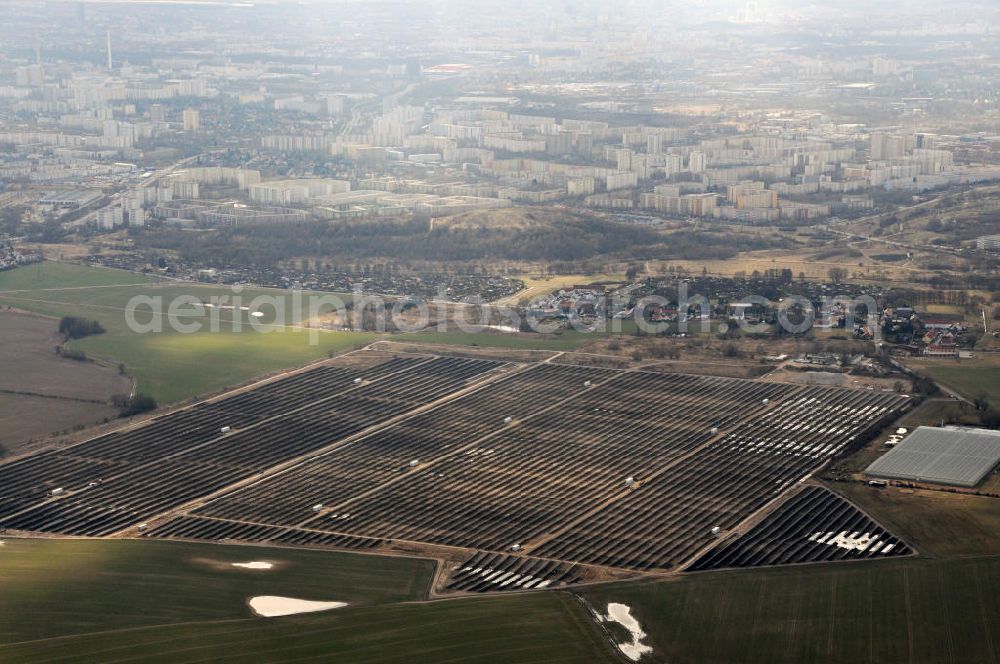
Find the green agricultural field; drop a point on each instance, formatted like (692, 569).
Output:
(905, 610)
(173, 367)
(970, 378)
(938, 523)
(549, 628)
(55, 587)
(59, 289)
(65, 275)
(970, 381)
(166, 364)
(152, 601)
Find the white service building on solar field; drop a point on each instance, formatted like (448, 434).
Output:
(941, 455)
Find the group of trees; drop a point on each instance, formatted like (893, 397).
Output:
(72, 327)
(134, 405)
(71, 354)
(838, 274)
(10, 220)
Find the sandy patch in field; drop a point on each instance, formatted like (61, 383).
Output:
(622, 614)
(256, 564)
(230, 566)
(273, 606)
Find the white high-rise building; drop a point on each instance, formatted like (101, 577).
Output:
(891, 146)
(654, 144)
(697, 162)
(109, 218)
(672, 164)
(192, 120)
(624, 158)
(185, 189)
(32, 76)
(136, 217)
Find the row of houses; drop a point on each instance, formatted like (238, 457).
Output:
(11, 257)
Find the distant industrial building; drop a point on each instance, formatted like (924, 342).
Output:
(948, 455)
(71, 198)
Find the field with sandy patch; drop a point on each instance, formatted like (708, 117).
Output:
(153, 601)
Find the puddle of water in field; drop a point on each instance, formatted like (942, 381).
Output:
(257, 564)
(622, 614)
(272, 606)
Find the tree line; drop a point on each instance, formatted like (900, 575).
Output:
(562, 239)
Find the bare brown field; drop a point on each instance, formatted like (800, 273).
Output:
(67, 252)
(42, 393)
(790, 374)
(730, 370)
(798, 261)
(28, 352)
(536, 287)
(26, 421)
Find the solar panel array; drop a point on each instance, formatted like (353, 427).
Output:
(122, 478)
(560, 464)
(609, 468)
(493, 572)
(962, 457)
(814, 525)
(669, 518)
